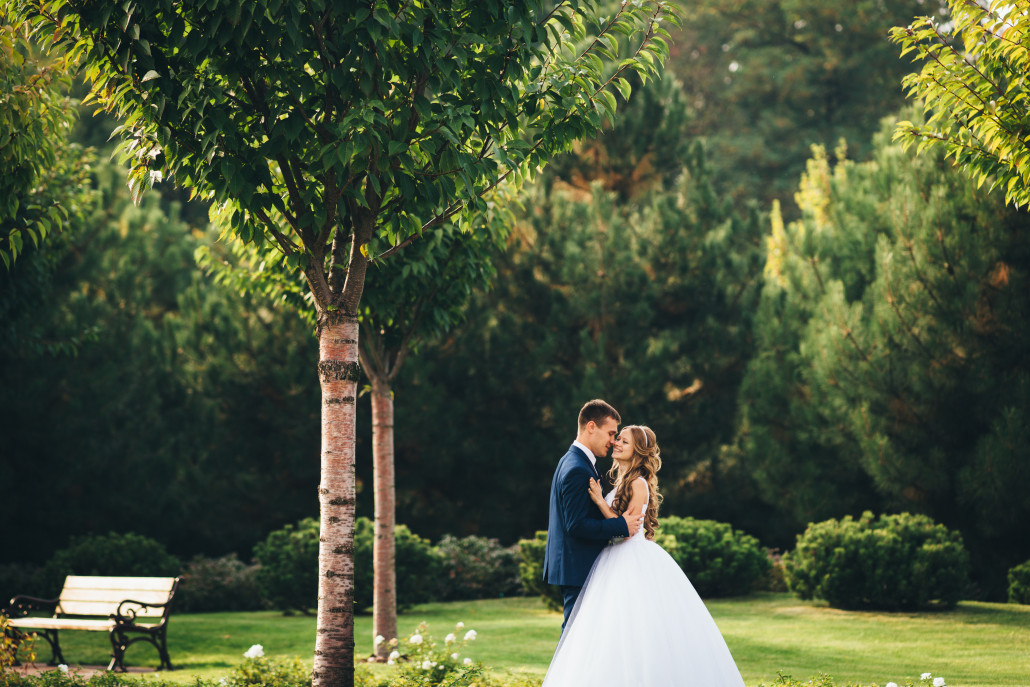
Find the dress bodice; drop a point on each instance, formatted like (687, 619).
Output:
(610, 499)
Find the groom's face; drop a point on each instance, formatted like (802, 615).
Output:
(603, 436)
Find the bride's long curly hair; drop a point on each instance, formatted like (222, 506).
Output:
(647, 462)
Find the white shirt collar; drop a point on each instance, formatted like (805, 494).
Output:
(584, 449)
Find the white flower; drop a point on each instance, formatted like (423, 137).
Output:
(426, 665)
(938, 682)
(223, 682)
(460, 625)
(925, 676)
(416, 639)
(449, 638)
(393, 642)
(454, 656)
(379, 640)
(394, 655)
(256, 651)
(389, 662)
(471, 634)
(891, 684)
(63, 668)
(371, 659)
(467, 661)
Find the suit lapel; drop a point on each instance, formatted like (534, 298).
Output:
(586, 459)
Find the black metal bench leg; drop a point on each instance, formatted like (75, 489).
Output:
(118, 645)
(52, 638)
(162, 650)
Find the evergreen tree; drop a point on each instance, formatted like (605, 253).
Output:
(766, 79)
(892, 353)
(209, 416)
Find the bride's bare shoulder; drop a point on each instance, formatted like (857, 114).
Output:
(638, 486)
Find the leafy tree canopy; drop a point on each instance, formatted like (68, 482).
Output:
(42, 185)
(974, 90)
(339, 129)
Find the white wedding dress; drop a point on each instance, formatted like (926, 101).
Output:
(639, 623)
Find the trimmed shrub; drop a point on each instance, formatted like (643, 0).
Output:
(219, 584)
(1019, 584)
(416, 562)
(477, 568)
(531, 571)
(718, 560)
(121, 555)
(893, 562)
(288, 574)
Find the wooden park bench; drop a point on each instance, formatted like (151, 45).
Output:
(115, 605)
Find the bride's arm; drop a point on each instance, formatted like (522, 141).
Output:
(637, 497)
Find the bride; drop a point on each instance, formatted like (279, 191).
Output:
(638, 621)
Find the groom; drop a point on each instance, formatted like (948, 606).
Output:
(576, 529)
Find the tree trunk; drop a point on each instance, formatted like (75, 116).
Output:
(338, 371)
(384, 610)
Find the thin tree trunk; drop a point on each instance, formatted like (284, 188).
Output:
(338, 371)
(384, 609)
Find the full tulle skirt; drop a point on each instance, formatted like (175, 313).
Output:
(639, 623)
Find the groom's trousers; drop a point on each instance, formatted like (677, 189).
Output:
(569, 596)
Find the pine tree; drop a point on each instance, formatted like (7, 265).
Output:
(895, 369)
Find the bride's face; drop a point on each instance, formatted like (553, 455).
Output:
(622, 448)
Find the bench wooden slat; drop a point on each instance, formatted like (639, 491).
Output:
(112, 596)
(62, 624)
(163, 584)
(105, 608)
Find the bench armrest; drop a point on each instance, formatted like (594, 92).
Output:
(129, 616)
(20, 606)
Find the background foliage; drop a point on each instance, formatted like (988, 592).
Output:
(861, 347)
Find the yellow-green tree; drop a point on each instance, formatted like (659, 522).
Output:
(974, 89)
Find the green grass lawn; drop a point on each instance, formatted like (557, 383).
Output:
(975, 645)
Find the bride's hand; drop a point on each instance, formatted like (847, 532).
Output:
(595, 491)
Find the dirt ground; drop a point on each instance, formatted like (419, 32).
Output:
(85, 671)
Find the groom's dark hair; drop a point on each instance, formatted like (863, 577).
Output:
(597, 411)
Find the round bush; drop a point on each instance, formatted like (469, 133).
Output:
(1019, 584)
(477, 568)
(719, 560)
(531, 571)
(288, 574)
(219, 584)
(120, 555)
(893, 562)
(416, 562)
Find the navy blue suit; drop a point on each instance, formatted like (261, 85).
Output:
(576, 529)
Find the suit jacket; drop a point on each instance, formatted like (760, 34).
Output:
(576, 529)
